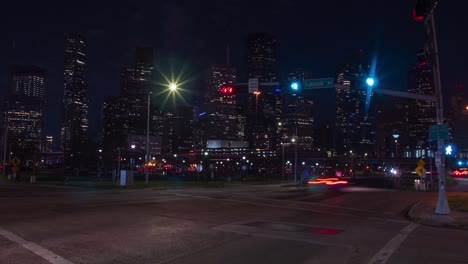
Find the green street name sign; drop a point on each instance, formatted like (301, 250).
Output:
(438, 132)
(323, 83)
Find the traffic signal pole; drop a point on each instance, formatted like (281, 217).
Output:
(442, 207)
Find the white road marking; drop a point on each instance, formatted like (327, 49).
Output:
(35, 248)
(386, 252)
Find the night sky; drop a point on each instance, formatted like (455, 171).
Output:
(190, 35)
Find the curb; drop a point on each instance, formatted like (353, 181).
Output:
(417, 214)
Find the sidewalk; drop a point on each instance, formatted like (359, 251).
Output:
(423, 212)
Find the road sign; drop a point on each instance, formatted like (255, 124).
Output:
(322, 83)
(253, 85)
(438, 132)
(420, 169)
(15, 162)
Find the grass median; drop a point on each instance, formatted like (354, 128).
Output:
(458, 201)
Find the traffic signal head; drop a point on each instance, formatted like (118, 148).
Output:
(295, 86)
(227, 90)
(423, 8)
(370, 81)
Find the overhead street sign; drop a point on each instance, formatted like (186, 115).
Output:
(438, 132)
(253, 85)
(323, 83)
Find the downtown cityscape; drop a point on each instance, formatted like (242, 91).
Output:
(216, 132)
(257, 115)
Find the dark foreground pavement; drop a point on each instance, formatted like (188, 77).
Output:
(247, 224)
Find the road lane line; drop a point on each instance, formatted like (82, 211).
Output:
(35, 248)
(387, 251)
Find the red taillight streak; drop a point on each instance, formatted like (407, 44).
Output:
(328, 181)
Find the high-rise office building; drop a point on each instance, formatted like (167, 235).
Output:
(220, 118)
(136, 78)
(263, 108)
(24, 117)
(74, 133)
(125, 116)
(24, 110)
(297, 117)
(261, 57)
(421, 114)
(29, 80)
(355, 122)
(182, 129)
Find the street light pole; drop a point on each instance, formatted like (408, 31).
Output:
(396, 148)
(118, 165)
(295, 163)
(256, 108)
(282, 159)
(147, 141)
(5, 141)
(442, 206)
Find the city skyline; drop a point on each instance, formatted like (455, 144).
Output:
(233, 131)
(315, 57)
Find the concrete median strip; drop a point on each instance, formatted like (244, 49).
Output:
(35, 248)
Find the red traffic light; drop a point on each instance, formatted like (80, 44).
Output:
(423, 8)
(227, 89)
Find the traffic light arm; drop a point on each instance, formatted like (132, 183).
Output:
(406, 95)
(396, 93)
(260, 84)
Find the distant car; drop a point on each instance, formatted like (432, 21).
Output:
(460, 173)
(330, 181)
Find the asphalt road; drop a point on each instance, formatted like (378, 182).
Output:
(245, 224)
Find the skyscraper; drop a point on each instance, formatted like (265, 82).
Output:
(220, 120)
(29, 80)
(125, 116)
(74, 133)
(261, 57)
(355, 122)
(421, 114)
(182, 125)
(297, 115)
(136, 78)
(24, 110)
(263, 108)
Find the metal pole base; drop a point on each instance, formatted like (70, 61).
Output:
(442, 207)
